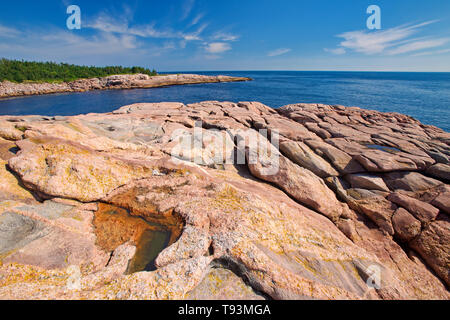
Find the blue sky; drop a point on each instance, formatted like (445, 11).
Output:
(187, 35)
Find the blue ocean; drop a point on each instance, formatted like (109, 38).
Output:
(424, 96)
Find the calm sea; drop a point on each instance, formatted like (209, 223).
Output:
(424, 96)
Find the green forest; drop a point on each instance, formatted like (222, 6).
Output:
(27, 71)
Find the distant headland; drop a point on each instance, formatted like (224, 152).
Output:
(21, 78)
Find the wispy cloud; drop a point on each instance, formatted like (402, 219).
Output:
(121, 25)
(113, 37)
(391, 41)
(225, 36)
(418, 45)
(278, 52)
(195, 35)
(197, 19)
(6, 32)
(219, 43)
(217, 47)
(63, 45)
(336, 50)
(187, 9)
(428, 53)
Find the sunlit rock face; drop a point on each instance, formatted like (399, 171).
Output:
(222, 200)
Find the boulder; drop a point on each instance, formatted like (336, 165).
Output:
(367, 181)
(380, 161)
(405, 225)
(340, 160)
(409, 181)
(65, 169)
(433, 245)
(440, 171)
(377, 209)
(423, 211)
(9, 131)
(11, 188)
(302, 155)
(300, 183)
(442, 202)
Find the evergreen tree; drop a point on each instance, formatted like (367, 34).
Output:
(20, 71)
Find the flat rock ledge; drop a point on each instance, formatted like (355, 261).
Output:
(135, 81)
(344, 203)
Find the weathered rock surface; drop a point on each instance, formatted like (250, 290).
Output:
(174, 201)
(10, 89)
(410, 181)
(434, 244)
(302, 155)
(442, 202)
(405, 225)
(421, 210)
(366, 181)
(440, 171)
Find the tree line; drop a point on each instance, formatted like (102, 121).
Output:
(22, 71)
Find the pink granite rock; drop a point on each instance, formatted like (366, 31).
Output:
(240, 227)
(421, 210)
(405, 225)
(442, 202)
(433, 245)
(440, 171)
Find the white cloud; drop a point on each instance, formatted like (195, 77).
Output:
(390, 41)
(187, 8)
(65, 46)
(67, 43)
(121, 25)
(194, 35)
(212, 56)
(418, 45)
(224, 36)
(428, 53)
(106, 23)
(217, 47)
(112, 38)
(278, 52)
(196, 19)
(6, 32)
(336, 51)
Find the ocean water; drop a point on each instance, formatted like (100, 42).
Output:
(424, 96)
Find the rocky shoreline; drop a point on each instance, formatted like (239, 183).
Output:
(358, 207)
(10, 89)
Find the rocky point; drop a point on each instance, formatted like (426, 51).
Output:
(114, 82)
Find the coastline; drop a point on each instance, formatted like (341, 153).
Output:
(115, 82)
(349, 182)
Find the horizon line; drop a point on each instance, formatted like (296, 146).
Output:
(281, 70)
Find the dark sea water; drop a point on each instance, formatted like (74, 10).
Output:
(424, 96)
